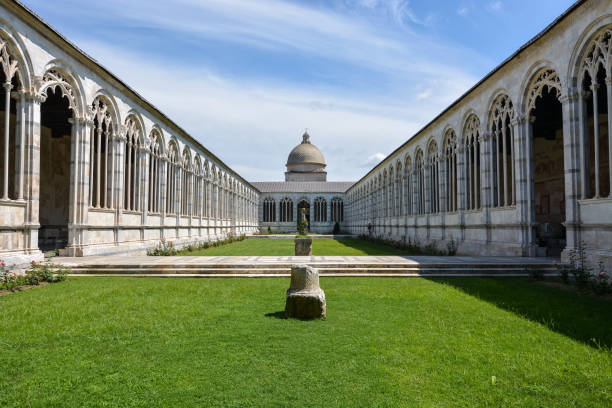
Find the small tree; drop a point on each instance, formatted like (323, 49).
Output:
(336, 228)
(302, 227)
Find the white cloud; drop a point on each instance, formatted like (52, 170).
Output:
(252, 122)
(495, 5)
(252, 127)
(424, 95)
(463, 11)
(374, 159)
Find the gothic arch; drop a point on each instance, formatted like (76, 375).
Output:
(19, 51)
(111, 103)
(157, 131)
(156, 138)
(594, 66)
(500, 108)
(494, 96)
(542, 75)
(134, 123)
(58, 75)
(589, 34)
(469, 117)
(500, 118)
(186, 158)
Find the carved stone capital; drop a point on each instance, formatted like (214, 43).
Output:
(518, 119)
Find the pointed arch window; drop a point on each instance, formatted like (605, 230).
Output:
(155, 168)
(320, 205)
(132, 171)
(269, 210)
(12, 127)
(286, 210)
(409, 188)
(471, 151)
(419, 170)
(197, 189)
(186, 177)
(433, 173)
(391, 193)
(337, 210)
(101, 170)
(399, 191)
(596, 117)
(450, 170)
(173, 167)
(502, 159)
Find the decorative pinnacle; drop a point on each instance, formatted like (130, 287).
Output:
(306, 137)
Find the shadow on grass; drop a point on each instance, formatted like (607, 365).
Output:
(374, 248)
(277, 315)
(582, 317)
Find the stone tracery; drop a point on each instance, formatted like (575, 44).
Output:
(502, 142)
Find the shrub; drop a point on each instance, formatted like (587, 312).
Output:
(563, 271)
(336, 228)
(580, 272)
(8, 278)
(409, 246)
(166, 248)
(45, 272)
(600, 283)
(535, 273)
(451, 246)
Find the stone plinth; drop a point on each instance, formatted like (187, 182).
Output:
(303, 247)
(305, 298)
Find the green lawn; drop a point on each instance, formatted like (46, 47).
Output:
(144, 342)
(285, 247)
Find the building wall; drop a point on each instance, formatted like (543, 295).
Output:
(555, 60)
(216, 200)
(291, 226)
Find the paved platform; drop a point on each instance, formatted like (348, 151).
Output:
(278, 266)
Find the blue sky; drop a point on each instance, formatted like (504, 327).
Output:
(245, 77)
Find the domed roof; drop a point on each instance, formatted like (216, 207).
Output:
(306, 153)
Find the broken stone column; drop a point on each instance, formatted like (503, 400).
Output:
(305, 298)
(303, 246)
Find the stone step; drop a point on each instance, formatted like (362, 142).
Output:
(287, 266)
(425, 270)
(325, 275)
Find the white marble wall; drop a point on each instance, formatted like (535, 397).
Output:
(557, 60)
(42, 60)
(315, 227)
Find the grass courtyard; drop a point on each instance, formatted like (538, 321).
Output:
(285, 247)
(128, 342)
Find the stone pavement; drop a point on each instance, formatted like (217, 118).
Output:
(271, 266)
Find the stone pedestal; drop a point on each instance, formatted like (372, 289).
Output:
(303, 247)
(305, 298)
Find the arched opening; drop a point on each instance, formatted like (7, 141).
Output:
(55, 156)
(304, 211)
(548, 171)
(286, 210)
(8, 136)
(320, 205)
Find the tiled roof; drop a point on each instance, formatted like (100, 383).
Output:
(302, 186)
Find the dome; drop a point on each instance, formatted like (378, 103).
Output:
(305, 153)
